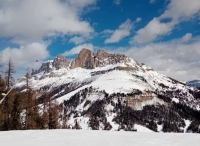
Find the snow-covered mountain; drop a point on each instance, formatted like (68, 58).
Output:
(59, 62)
(194, 83)
(114, 92)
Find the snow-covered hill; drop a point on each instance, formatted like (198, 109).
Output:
(115, 92)
(95, 138)
(194, 83)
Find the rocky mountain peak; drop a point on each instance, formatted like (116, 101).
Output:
(84, 59)
(102, 54)
(59, 62)
(87, 59)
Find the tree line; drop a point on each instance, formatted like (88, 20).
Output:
(20, 110)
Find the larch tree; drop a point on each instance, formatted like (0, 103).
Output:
(2, 90)
(50, 112)
(9, 74)
(32, 111)
(8, 100)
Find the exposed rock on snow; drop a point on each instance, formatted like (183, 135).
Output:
(58, 63)
(87, 59)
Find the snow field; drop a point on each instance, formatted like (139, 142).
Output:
(95, 138)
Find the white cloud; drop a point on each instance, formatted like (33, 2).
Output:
(180, 61)
(151, 31)
(138, 19)
(77, 40)
(177, 11)
(187, 37)
(25, 55)
(117, 2)
(32, 20)
(106, 33)
(181, 9)
(78, 48)
(81, 3)
(122, 32)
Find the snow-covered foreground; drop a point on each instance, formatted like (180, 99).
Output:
(95, 138)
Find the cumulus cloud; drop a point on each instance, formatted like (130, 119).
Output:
(186, 37)
(78, 48)
(25, 55)
(177, 11)
(151, 31)
(181, 9)
(174, 60)
(28, 21)
(138, 19)
(81, 3)
(106, 33)
(77, 40)
(120, 33)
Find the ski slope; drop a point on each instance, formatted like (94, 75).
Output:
(95, 138)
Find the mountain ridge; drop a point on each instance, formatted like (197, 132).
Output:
(194, 83)
(114, 94)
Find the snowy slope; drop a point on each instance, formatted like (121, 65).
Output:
(95, 138)
(116, 79)
(112, 79)
(194, 83)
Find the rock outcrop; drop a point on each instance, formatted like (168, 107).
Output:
(59, 62)
(84, 59)
(87, 59)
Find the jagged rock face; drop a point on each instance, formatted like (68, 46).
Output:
(87, 59)
(59, 62)
(46, 67)
(101, 54)
(84, 59)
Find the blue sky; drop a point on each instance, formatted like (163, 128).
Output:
(163, 34)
